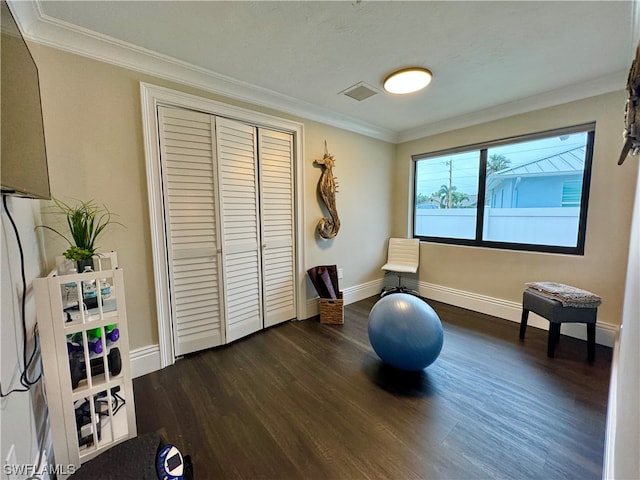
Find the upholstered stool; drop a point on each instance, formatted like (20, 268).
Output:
(558, 313)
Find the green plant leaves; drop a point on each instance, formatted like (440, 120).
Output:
(86, 221)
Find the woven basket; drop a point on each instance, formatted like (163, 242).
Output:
(332, 310)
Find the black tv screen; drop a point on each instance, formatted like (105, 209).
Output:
(23, 160)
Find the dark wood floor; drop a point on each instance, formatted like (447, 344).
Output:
(305, 400)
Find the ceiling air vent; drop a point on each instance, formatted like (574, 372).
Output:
(359, 91)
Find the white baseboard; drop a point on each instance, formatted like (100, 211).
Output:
(145, 360)
(508, 310)
(360, 292)
(608, 463)
(349, 294)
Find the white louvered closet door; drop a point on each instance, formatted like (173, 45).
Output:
(189, 181)
(277, 220)
(240, 227)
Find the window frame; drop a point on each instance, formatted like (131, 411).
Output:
(482, 148)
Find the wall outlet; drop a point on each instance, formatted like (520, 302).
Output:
(340, 273)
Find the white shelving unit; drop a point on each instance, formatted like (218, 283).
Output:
(90, 409)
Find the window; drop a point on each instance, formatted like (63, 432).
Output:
(522, 193)
(571, 193)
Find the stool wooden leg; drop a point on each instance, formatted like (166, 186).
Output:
(554, 334)
(523, 323)
(591, 341)
(557, 334)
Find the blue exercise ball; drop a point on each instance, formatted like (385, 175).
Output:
(405, 332)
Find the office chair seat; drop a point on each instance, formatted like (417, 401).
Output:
(399, 267)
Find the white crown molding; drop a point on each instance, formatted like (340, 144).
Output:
(61, 35)
(40, 28)
(25, 14)
(608, 83)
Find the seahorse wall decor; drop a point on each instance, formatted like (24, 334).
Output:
(328, 226)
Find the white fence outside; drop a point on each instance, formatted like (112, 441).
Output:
(539, 226)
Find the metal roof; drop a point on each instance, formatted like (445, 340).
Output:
(569, 161)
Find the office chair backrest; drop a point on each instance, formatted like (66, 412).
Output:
(404, 253)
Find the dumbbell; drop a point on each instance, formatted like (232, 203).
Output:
(78, 368)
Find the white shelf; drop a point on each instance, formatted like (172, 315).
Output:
(58, 325)
(113, 429)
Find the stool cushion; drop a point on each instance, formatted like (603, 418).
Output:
(567, 295)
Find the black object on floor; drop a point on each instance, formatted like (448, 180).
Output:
(134, 459)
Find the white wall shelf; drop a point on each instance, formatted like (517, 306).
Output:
(85, 353)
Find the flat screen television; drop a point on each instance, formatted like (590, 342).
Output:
(23, 157)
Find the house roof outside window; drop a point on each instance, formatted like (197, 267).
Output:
(564, 163)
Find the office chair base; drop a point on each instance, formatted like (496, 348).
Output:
(392, 290)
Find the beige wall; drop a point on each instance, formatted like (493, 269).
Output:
(501, 274)
(94, 140)
(364, 171)
(93, 127)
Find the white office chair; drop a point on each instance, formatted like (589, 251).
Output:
(403, 257)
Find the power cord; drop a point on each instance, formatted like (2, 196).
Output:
(24, 376)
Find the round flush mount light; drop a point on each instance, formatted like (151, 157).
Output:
(407, 80)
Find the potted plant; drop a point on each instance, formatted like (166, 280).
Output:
(86, 221)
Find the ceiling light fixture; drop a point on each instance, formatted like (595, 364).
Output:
(407, 80)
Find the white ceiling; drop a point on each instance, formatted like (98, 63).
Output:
(489, 59)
